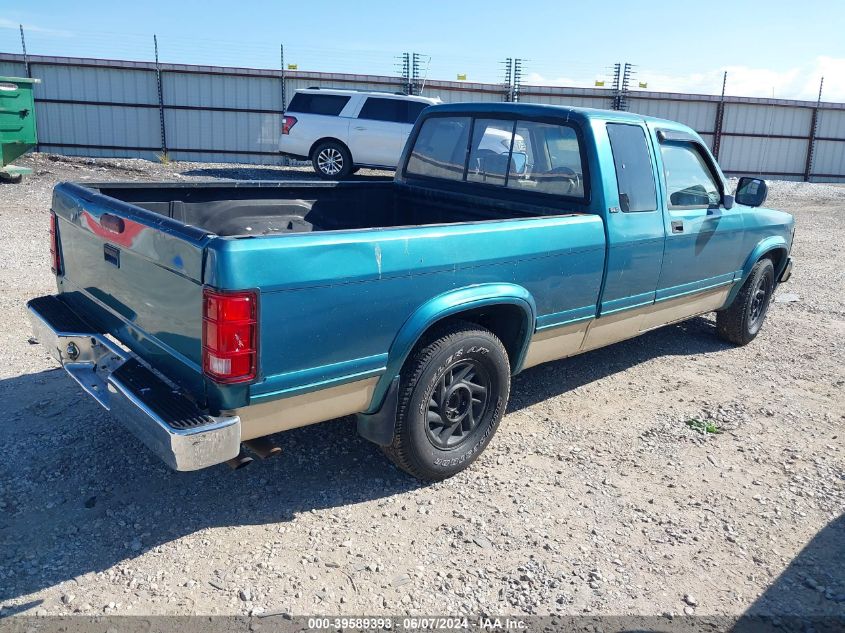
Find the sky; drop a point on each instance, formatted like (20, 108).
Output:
(778, 48)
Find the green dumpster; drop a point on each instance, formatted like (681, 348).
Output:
(17, 124)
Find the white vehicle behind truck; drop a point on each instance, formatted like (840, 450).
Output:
(342, 130)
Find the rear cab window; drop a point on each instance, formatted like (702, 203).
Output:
(313, 103)
(514, 154)
(440, 148)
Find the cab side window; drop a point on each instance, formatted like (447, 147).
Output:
(690, 184)
(634, 173)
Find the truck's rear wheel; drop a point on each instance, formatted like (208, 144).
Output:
(331, 160)
(453, 393)
(741, 322)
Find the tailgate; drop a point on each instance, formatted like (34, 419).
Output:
(136, 275)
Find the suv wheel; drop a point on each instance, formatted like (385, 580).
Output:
(331, 160)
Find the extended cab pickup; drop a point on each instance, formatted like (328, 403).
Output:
(208, 315)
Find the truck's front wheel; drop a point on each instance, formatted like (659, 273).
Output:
(741, 322)
(453, 393)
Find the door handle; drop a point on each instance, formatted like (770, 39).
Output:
(677, 226)
(360, 128)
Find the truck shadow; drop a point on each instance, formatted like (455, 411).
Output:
(78, 494)
(809, 595)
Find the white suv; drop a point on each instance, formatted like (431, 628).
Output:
(342, 130)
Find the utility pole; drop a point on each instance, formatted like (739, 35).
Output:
(617, 77)
(720, 116)
(513, 78)
(406, 73)
(415, 74)
(508, 63)
(517, 79)
(811, 141)
(621, 81)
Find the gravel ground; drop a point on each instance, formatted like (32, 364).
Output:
(598, 495)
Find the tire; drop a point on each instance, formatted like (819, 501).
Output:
(11, 179)
(460, 380)
(332, 160)
(741, 322)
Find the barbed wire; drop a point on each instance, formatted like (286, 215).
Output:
(370, 61)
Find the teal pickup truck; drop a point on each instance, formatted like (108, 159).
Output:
(207, 316)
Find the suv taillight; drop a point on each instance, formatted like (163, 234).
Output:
(229, 335)
(55, 252)
(287, 123)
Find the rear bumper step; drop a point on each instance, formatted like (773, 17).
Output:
(165, 420)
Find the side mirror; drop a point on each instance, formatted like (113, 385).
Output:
(728, 201)
(751, 192)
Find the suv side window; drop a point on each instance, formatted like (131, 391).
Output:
(440, 148)
(377, 109)
(634, 174)
(310, 103)
(414, 109)
(690, 184)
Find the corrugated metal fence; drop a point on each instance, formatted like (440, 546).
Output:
(106, 108)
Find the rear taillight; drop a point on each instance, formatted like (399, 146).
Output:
(287, 123)
(55, 252)
(230, 335)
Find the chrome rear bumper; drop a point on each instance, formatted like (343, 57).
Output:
(164, 419)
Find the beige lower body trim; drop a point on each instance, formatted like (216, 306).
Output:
(573, 339)
(556, 343)
(263, 419)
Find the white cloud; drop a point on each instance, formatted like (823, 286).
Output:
(9, 24)
(536, 79)
(800, 82)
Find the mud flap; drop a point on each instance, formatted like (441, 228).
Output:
(378, 427)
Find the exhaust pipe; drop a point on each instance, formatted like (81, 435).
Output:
(236, 463)
(263, 447)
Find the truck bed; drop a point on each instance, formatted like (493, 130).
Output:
(136, 257)
(269, 208)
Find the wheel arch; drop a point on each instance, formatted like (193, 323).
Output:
(774, 248)
(328, 139)
(507, 310)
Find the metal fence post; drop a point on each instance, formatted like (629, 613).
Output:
(720, 115)
(811, 140)
(284, 95)
(160, 100)
(28, 70)
(25, 56)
